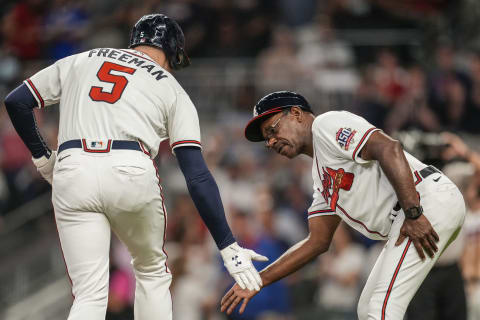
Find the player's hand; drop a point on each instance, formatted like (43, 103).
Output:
(238, 262)
(421, 232)
(233, 297)
(45, 166)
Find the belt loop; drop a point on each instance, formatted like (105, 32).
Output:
(397, 206)
(143, 148)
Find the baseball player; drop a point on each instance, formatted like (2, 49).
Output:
(116, 106)
(363, 177)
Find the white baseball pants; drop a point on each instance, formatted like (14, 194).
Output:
(94, 193)
(399, 271)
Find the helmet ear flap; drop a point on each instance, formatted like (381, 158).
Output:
(173, 56)
(172, 43)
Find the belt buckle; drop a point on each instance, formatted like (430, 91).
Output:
(97, 145)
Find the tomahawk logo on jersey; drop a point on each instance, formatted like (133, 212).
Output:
(332, 181)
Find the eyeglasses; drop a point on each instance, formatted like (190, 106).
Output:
(272, 130)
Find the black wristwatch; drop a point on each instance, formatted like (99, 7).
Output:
(413, 212)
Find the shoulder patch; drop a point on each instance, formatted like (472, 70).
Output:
(344, 137)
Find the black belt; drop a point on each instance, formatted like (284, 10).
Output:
(111, 144)
(425, 172)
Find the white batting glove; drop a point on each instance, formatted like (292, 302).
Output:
(45, 166)
(238, 262)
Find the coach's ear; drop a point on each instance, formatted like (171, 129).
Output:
(297, 113)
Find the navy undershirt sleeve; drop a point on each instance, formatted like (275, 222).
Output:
(204, 192)
(20, 103)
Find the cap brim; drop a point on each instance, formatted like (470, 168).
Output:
(252, 129)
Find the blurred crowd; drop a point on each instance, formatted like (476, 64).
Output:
(424, 90)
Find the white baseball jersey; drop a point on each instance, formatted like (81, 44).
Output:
(114, 94)
(153, 106)
(346, 185)
(359, 192)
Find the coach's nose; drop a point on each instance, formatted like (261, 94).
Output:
(269, 142)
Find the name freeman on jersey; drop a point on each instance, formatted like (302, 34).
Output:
(130, 59)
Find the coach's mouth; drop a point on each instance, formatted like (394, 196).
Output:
(281, 149)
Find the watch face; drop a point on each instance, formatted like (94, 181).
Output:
(413, 212)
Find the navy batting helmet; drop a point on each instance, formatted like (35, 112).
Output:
(268, 106)
(160, 31)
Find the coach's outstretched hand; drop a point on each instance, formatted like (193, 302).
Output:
(421, 232)
(233, 297)
(238, 262)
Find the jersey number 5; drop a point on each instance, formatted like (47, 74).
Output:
(119, 82)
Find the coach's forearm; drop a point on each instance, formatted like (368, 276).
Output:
(292, 260)
(394, 164)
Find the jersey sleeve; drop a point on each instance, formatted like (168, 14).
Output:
(183, 124)
(319, 206)
(343, 134)
(45, 85)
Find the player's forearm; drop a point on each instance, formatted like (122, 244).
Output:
(395, 166)
(292, 260)
(205, 194)
(19, 104)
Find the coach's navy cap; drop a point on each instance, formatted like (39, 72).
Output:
(268, 106)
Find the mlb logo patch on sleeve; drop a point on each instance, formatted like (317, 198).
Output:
(344, 137)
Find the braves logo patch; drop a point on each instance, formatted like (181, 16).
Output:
(344, 137)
